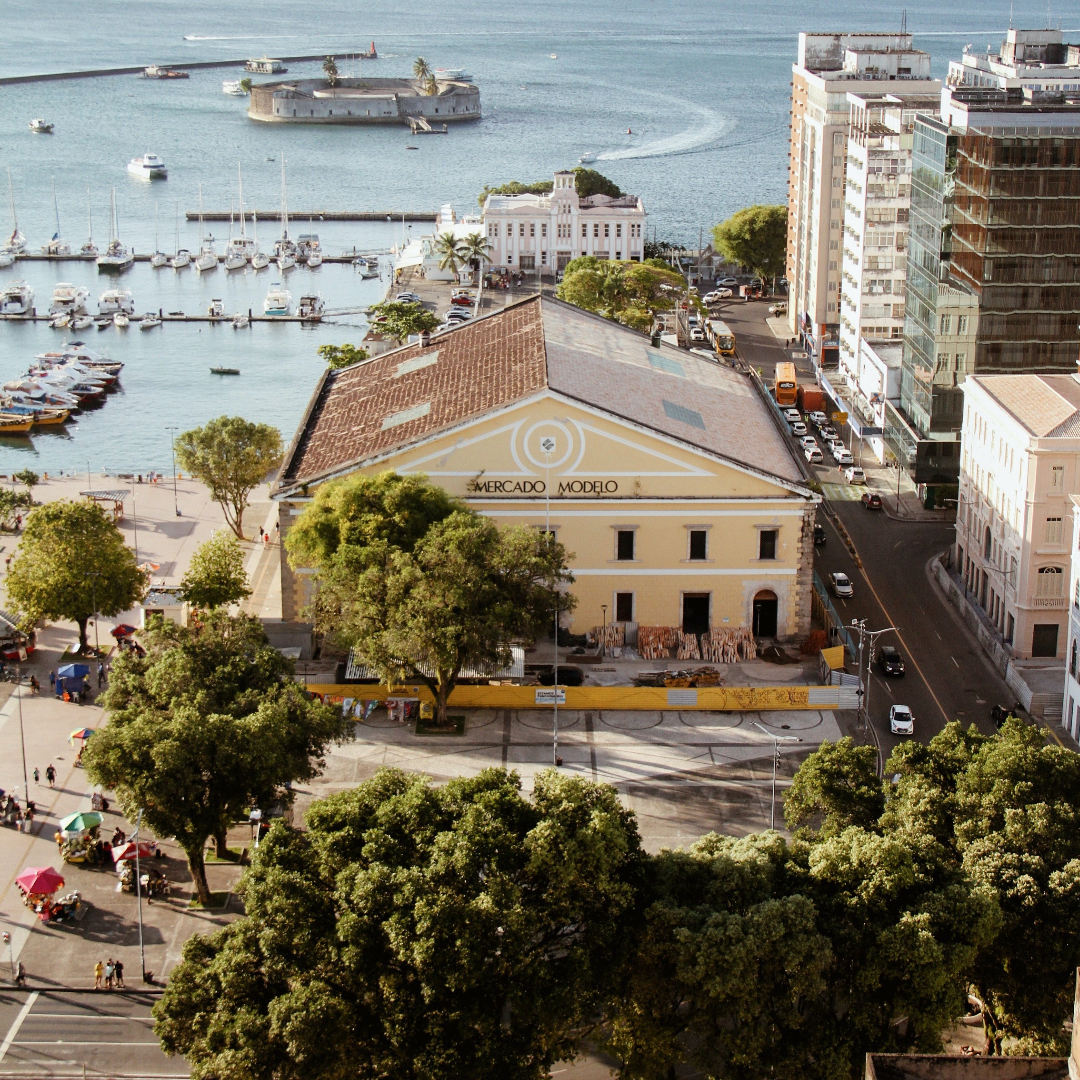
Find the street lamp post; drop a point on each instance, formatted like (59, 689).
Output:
(864, 685)
(138, 893)
(603, 608)
(172, 443)
(22, 737)
(777, 740)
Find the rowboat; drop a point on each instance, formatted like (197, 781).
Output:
(15, 425)
(224, 371)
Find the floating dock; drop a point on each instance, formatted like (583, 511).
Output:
(181, 317)
(298, 217)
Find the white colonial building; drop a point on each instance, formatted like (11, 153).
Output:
(542, 233)
(1071, 717)
(1019, 464)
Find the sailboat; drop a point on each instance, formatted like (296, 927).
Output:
(159, 258)
(16, 242)
(259, 260)
(285, 249)
(116, 258)
(207, 257)
(89, 249)
(182, 257)
(242, 247)
(56, 246)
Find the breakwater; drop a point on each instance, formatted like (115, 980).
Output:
(300, 216)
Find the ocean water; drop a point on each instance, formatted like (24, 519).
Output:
(703, 87)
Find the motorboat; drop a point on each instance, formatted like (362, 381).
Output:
(114, 300)
(15, 244)
(216, 309)
(207, 258)
(56, 245)
(68, 297)
(369, 268)
(286, 260)
(15, 426)
(586, 159)
(259, 259)
(89, 249)
(233, 87)
(314, 259)
(240, 322)
(39, 414)
(82, 322)
(307, 244)
(311, 307)
(159, 259)
(148, 167)
(103, 322)
(116, 258)
(154, 71)
(41, 125)
(17, 299)
(149, 321)
(181, 259)
(278, 300)
(121, 321)
(284, 249)
(61, 320)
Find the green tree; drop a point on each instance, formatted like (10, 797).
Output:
(431, 87)
(400, 319)
(13, 504)
(330, 70)
(27, 477)
(72, 562)
(232, 457)
(476, 249)
(245, 85)
(589, 182)
(755, 237)
(415, 931)
(216, 576)
(628, 292)
(449, 593)
(839, 786)
(515, 187)
(341, 356)
(207, 724)
(451, 252)
(420, 69)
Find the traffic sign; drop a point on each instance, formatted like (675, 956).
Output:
(839, 417)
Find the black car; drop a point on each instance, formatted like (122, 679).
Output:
(892, 663)
(819, 535)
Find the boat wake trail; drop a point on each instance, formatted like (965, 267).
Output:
(712, 127)
(238, 37)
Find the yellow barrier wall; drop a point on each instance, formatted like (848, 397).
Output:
(717, 699)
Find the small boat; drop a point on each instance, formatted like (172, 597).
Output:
(311, 307)
(240, 322)
(148, 167)
(156, 72)
(181, 259)
(216, 309)
(68, 297)
(224, 371)
(121, 321)
(41, 126)
(15, 425)
(16, 242)
(233, 87)
(103, 322)
(284, 249)
(116, 258)
(112, 301)
(629, 132)
(260, 260)
(17, 299)
(412, 147)
(159, 258)
(286, 260)
(60, 321)
(554, 56)
(278, 300)
(586, 159)
(314, 259)
(149, 321)
(82, 322)
(89, 249)
(207, 258)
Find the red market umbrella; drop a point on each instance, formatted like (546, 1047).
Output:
(40, 879)
(123, 630)
(127, 851)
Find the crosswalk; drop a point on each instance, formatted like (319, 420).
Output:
(843, 492)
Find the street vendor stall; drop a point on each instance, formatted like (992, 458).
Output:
(72, 681)
(103, 498)
(38, 883)
(78, 839)
(14, 644)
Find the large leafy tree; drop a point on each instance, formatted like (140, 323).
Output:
(341, 356)
(401, 319)
(415, 932)
(232, 457)
(589, 182)
(837, 786)
(756, 237)
(204, 726)
(72, 562)
(430, 594)
(628, 292)
(216, 576)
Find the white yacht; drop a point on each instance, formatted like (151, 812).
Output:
(240, 249)
(41, 126)
(182, 257)
(284, 249)
(16, 242)
(259, 259)
(89, 249)
(207, 258)
(233, 87)
(56, 246)
(114, 300)
(216, 309)
(121, 320)
(278, 300)
(69, 298)
(149, 321)
(148, 167)
(81, 322)
(17, 299)
(116, 258)
(311, 306)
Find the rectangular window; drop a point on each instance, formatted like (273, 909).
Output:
(699, 544)
(1053, 531)
(521, 229)
(532, 228)
(618, 229)
(767, 543)
(1057, 478)
(543, 228)
(625, 545)
(624, 607)
(946, 324)
(607, 229)
(584, 230)
(961, 324)
(596, 229)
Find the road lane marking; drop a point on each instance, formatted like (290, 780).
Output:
(76, 1042)
(17, 1023)
(953, 659)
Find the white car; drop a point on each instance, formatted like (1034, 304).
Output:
(841, 585)
(798, 428)
(813, 455)
(407, 298)
(710, 297)
(808, 440)
(901, 722)
(722, 294)
(818, 418)
(728, 281)
(842, 457)
(697, 334)
(791, 415)
(855, 475)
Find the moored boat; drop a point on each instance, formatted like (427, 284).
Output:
(114, 300)
(278, 300)
(149, 321)
(17, 299)
(311, 307)
(148, 167)
(68, 297)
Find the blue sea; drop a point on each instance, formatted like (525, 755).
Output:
(702, 87)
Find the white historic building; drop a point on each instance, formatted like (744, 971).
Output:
(1071, 717)
(1019, 464)
(542, 233)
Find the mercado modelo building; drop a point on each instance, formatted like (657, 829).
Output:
(665, 473)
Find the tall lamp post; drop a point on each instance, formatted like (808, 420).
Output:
(864, 685)
(776, 740)
(603, 608)
(138, 893)
(547, 446)
(171, 428)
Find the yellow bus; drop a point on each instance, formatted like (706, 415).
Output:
(785, 388)
(722, 338)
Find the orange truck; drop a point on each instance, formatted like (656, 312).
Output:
(810, 399)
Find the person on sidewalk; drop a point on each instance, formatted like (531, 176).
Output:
(109, 972)
(20, 975)
(100, 676)
(118, 969)
(50, 774)
(37, 775)
(99, 971)
(52, 681)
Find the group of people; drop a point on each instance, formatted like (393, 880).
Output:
(15, 815)
(109, 975)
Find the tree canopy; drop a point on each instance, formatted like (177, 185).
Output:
(628, 292)
(755, 237)
(401, 319)
(330, 70)
(208, 724)
(72, 562)
(341, 356)
(232, 457)
(415, 931)
(586, 182)
(216, 576)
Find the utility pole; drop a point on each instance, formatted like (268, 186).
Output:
(864, 684)
(172, 442)
(547, 445)
(777, 740)
(138, 892)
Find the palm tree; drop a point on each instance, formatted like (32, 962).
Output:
(431, 87)
(475, 249)
(451, 252)
(421, 69)
(330, 68)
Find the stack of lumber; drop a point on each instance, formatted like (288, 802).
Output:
(656, 642)
(728, 644)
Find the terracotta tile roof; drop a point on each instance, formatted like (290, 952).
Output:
(399, 397)
(365, 409)
(1046, 405)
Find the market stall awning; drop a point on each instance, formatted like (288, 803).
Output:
(82, 821)
(40, 879)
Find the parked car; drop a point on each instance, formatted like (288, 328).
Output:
(697, 334)
(798, 428)
(872, 501)
(901, 722)
(808, 440)
(792, 414)
(730, 281)
(722, 294)
(855, 475)
(841, 585)
(778, 309)
(408, 298)
(813, 455)
(892, 663)
(842, 456)
(819, 536)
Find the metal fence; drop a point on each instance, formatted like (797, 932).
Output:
(829, 616)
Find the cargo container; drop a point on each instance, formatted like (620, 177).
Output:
(810, 399)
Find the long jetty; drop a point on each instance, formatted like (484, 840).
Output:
(298, 217)
(194, 65)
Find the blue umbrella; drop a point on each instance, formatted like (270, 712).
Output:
(72, 671)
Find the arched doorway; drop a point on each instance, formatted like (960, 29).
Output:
(765, 606)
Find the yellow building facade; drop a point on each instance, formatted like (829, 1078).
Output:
(662, 472)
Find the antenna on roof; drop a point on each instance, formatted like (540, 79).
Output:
(903, 22)
(1049, 24)
(1011, 2)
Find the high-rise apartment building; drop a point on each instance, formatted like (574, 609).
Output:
(1036, 59)
(994, 259)
(829, 67)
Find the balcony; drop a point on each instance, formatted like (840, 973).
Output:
(1048, 602)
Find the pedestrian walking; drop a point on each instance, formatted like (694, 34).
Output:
(52, 681)
(100, 676)
(266, 540)
(50, 774)
(109, 972)
(118, 971)
(20, 975)
(35, 686)
(37, 775)
(99, 972)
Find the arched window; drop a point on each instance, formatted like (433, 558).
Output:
(988, 542)
(1050, 581)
